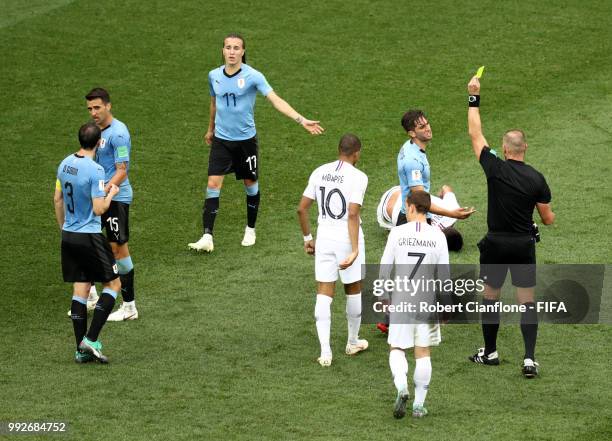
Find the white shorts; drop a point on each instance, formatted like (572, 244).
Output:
(381, 210)
(404, 335)
(328, 256)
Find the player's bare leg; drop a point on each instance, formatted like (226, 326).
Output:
(322, 312)
(399, 371)
(127, 310)
(422, 377)
(354, 345)
(529, 329)
(251, 188)
(209, 214)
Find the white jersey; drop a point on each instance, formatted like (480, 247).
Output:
(419, 239)
(418, 254)
(334, 186)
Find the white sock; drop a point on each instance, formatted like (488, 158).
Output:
(131, 304)
(399, 369)
(322, 314)
(353, 316)
(422, 377)
(92, 292)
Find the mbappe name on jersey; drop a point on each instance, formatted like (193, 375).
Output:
(329, 177)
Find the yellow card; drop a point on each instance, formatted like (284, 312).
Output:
(479, 72)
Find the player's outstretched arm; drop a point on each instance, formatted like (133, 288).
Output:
(283, 107)
(302, 211)
(474, 124)
(58, 203)
(457, 213)
(353, 230)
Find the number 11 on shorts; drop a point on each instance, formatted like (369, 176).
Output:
(252, 161)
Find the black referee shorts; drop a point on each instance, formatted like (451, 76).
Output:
(502, 251)
(239, 157)
(87, 257)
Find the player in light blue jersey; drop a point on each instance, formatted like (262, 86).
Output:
(80, 198)
(232, 136)
(413, 167)
(114, 155)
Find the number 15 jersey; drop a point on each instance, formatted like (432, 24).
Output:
(334, 186)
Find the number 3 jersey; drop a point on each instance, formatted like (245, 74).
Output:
(334, 186)
(80, 179)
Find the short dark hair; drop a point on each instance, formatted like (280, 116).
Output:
(89, 135)
(98, 92)
(349, 144)
(420, 199)
(454, 239)
(239, 36)
(410, 118)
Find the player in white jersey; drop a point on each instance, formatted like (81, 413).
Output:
(338, 188)
(390, 205)
(415, 248)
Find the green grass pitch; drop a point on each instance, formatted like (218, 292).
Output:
(225, 347)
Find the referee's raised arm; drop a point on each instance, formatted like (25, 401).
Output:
(474, 125)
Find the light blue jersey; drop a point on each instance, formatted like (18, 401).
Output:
(412, 169)
(235, 99)
(80, 179)
(115, 147)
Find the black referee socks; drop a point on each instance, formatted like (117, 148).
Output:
(529, 329)
(490, 326)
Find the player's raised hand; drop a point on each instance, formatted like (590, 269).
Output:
(312, 126)
(474, 86)
(463, 212)
(208, 137)
(309, 247)
(349, 260)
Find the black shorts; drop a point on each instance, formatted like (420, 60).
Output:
(116, 220)
(87, 257)
(500, 252)
(239, 157)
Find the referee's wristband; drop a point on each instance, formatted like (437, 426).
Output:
(474, 101)
(307, 238)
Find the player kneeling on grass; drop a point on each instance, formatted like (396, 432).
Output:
(339, 188)
(79, 201)
(421, 248)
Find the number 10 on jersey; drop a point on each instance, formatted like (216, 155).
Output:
(325, 203)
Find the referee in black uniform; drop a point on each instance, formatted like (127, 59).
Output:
(514, 190)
